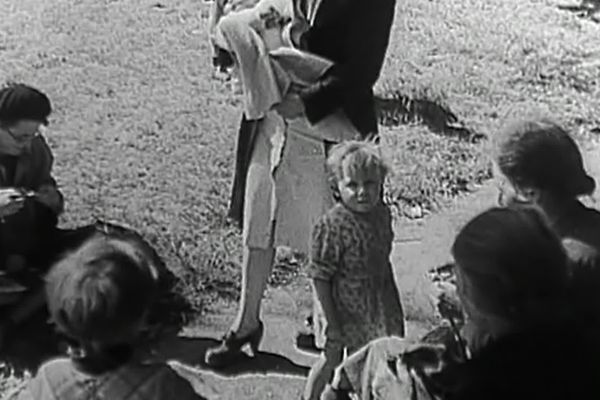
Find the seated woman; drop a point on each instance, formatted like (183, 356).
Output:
(521, 338)
(99, 298)
(30, 200)
(540, 164)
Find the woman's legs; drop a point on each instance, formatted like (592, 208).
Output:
(247, 327)
(322, 372)
(256, 267)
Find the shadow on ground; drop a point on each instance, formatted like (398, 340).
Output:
(191, 351)
(396, 108)
(587, 9)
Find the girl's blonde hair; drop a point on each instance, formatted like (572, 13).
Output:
(359, 156)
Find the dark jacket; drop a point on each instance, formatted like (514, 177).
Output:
(579, 228)
(27, 231)
(355, 35)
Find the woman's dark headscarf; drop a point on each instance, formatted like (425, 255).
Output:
(542, 154)
(513, 263)
(19, 101)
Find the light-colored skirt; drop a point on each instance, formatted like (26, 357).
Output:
(287, 188)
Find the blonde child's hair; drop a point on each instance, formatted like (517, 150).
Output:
(357, 156)
(99, 293)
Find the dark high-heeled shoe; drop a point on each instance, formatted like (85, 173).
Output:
(230, 348)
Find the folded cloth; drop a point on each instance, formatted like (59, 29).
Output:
(266, 61)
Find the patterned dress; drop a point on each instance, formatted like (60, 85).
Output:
(352, 251)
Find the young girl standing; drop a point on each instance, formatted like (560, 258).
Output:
(358, 300)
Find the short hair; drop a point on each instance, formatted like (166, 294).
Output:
(99, 293)
(19, 101)
(513, 258)
(359, 155)
(540, 153)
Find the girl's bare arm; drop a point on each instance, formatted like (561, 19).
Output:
(324, 295)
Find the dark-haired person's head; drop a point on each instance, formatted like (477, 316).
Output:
(539, 158)
(98, 298)
(23, 110)
(511, 269)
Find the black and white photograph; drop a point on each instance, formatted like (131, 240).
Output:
(299, 199)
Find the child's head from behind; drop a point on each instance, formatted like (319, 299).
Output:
(98, 296)
(539, 157)
(358, 171)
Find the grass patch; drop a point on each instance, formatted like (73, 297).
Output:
(487, 60)
(429, 169)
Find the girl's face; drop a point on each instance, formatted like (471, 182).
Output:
(360, 190)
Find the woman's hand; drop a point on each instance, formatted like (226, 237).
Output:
(11, 201)
(49, 196)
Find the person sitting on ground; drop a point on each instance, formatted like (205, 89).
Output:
(522, 338)
(357, 297)
(540, 164)
(537, 162)
(30, 201)
(99, 297)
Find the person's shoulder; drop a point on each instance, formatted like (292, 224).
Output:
(61, 364)
(384, 212)
(338, 209)
(58, 370)
(41, 141)
(589, 213)
(583, 241)
(589, 219)
(334, 215)
(39, 146)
